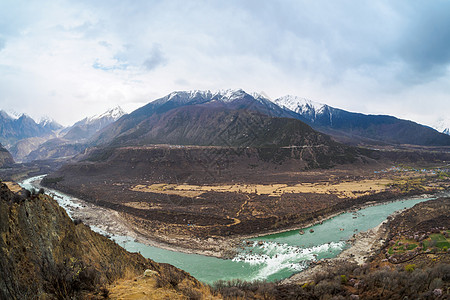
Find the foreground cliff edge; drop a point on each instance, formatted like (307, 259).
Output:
(46, 255)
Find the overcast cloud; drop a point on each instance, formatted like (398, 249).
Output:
(70, 59)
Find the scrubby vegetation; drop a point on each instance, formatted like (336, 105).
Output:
(51, 180)
(172, 278)
(350, 281)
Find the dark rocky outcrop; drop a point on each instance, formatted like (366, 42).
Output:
(44, 255)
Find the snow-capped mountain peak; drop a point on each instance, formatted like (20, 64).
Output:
(442, 125)
(115, 113)
(44, 121)
(49, 123)
(230, 94)
(198, 96)
(112, 114)
(298, 104)
(11, 114)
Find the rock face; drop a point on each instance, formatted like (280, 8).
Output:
(44, 255)
(5, 157)
(23, 147)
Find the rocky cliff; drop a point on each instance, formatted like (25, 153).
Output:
(46, 255)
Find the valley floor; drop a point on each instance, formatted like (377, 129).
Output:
(393, 184)
(236, 215)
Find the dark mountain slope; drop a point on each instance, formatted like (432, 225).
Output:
(386, 129)
(358, 128)
(209, 125)
(5, 157)
(225, 100)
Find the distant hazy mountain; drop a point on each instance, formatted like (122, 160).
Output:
(71, 140)
(56, 148)
(5, 157)
(50, 124)
(24, 146)
(443, 125)
(356, 127)
(84, 129)
(13, 128)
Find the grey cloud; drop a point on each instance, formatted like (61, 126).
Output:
(425, 43)
(105, 44)
(155, 59)
(118, 66)
(2, 44)
(326, 48)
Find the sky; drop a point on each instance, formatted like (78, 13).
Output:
(71, 59)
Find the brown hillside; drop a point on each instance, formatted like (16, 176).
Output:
(45, 255)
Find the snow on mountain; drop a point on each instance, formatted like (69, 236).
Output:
(298, 104)
(305, 107)
(112, 114)
(87, 127)
(199, 97)
(45, 121)
(13, 114)
(49, 123)
(229, 95)
(232, 98)
(442, 125)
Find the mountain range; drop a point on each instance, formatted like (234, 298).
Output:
(28, 140)
(207, 118)
(201, 118)
(15, 128)
(181, 118)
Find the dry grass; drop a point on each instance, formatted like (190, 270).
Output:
(14, 187)
(141, 288)
(143, 205)
(350, 189)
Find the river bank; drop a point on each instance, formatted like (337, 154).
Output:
(353, 208)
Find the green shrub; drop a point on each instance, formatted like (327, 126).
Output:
(343, 279)
(410, 267)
